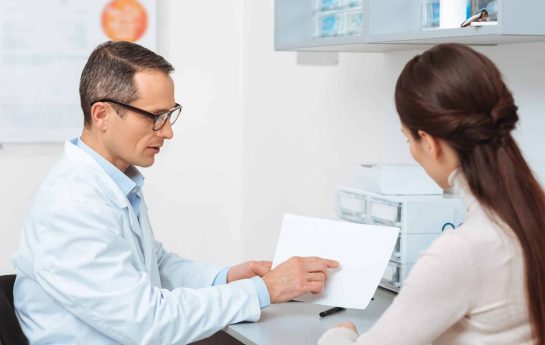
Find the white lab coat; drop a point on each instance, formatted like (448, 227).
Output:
(88, 272)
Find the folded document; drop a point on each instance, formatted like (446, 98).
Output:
(362, 250)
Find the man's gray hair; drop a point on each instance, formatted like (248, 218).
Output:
(109, 73)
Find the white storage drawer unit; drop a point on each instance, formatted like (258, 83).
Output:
(421, 218)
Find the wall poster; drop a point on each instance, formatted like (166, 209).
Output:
(43, 48)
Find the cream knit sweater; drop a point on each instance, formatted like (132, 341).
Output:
(467, 288)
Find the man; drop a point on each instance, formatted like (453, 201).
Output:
(88, 268)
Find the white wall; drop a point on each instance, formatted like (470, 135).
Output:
(306, 126)
(194, 190)
(260, 135)
(21, 169)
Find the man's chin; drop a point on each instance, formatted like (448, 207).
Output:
(145, 163)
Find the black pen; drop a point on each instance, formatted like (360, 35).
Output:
(331, 311)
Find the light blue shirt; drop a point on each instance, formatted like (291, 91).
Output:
(89, 271)
(131, 183)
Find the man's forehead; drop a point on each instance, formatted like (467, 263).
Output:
(155, 90)
(152, 76)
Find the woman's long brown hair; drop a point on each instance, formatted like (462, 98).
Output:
(457, 94)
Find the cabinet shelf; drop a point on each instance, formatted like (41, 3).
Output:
(395, 25)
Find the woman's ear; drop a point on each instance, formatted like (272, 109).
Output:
(430, 145)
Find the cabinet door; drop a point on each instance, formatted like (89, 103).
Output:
(522, 17)
(318, 24)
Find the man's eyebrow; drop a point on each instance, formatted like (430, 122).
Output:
(157, 111)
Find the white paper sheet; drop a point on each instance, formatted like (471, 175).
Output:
(362, 250)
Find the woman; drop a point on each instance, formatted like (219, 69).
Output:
(483, 283)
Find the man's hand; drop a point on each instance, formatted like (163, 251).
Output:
(297, 276)
(248, 269)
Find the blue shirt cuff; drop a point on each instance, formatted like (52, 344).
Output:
(262, 292)
(221, 278)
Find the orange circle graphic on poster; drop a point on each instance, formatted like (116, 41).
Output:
(124, 20)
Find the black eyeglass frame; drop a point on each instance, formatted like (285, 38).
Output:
(155, 117)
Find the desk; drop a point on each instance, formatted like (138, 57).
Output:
(299, 323)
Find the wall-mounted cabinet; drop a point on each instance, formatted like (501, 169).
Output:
(332, 25)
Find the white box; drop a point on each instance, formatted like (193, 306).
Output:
(414, 214)
(394, 179)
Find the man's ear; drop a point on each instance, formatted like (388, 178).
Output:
(100, 114)
(430, 144)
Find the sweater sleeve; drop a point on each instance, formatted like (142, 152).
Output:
(434, 297)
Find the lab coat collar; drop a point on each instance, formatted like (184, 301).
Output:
(112, 191)
(127, 181)
(79, 157)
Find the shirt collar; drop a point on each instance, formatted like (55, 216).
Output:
(128, 181)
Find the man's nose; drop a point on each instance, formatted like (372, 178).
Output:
(166, 131)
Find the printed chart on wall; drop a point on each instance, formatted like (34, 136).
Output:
(43, 48)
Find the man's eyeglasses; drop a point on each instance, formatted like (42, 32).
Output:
(159, 120)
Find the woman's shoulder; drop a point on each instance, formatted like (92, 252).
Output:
(482, 232)
(473, 250)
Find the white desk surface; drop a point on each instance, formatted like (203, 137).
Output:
(298, 323)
